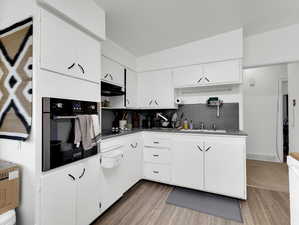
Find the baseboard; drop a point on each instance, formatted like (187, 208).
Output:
(269, 158)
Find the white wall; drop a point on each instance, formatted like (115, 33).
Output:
(221, 47)
(293, 73)
(260, 110)
(273, 47)
(22, 153)
(118, 54)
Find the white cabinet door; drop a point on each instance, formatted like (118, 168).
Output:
(86, 13)
(89, 199)
(156, 89)
(188, 76)
(225, 171)
(112, 72)
(113, 181)
(59, 195)
(58, 45)
(133, 161)
(131, 88)
(188, 162)
(227, 72)
(88, 58)
(68, 51)
(145, 90)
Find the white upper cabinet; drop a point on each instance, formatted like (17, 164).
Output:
(155, 89)
(68, 51)
(188, 76)
(227, 72)
(218, 73)
(86, 15)
(112, 72)
(131, 89)
(225, 166)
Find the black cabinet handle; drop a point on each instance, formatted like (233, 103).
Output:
(111, 76)
(100, 160)
(71, 66)
(82, 173)
(199, 148)
(156, 155)
(134, 146)
(82, 69)
(71, 176)
(100, 205)
(156, 172)
(106, 75)
(156, 142)
(208, 148)
(199, 80)
(151, 101)
(207, 79)
(156, 102)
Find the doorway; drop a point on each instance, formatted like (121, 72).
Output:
(285, 118)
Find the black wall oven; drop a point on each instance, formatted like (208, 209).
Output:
(58, 133)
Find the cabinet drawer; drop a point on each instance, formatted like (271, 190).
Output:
(157, 172)
(155, 155)
(154, 141)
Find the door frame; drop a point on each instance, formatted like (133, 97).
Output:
(279, 121)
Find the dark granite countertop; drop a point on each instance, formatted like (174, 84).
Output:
(171, 130)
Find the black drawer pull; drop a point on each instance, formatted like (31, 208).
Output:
(199, 80)
(156, 142)
(82, 173)
(156, 155)
(71, 66)
(199, 148)
(71, 176)
(207, 79)
(82, 69)
(208, 148)
(155, 171)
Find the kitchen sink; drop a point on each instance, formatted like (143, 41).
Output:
(204, 131)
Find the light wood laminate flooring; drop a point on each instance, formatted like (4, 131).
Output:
(145, 204)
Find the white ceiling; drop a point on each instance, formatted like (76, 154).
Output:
(146, 26)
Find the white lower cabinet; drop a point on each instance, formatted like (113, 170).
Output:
(114, 182)
(70, 195)
(79, 193)
(225, 166)
(188, 162)
(133, 161)
(212, 163)
(89, 197)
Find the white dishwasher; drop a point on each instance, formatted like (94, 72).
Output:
(294, 188)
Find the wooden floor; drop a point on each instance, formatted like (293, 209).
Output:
(268, 175)
(145, 204)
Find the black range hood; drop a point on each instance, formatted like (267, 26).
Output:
(111, 89)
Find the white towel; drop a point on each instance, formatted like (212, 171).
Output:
(84, 132)
(96, 125)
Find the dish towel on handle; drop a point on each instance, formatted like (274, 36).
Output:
(96, 125)
(84, 132)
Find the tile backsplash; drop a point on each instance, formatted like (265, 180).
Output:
(229, 115)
